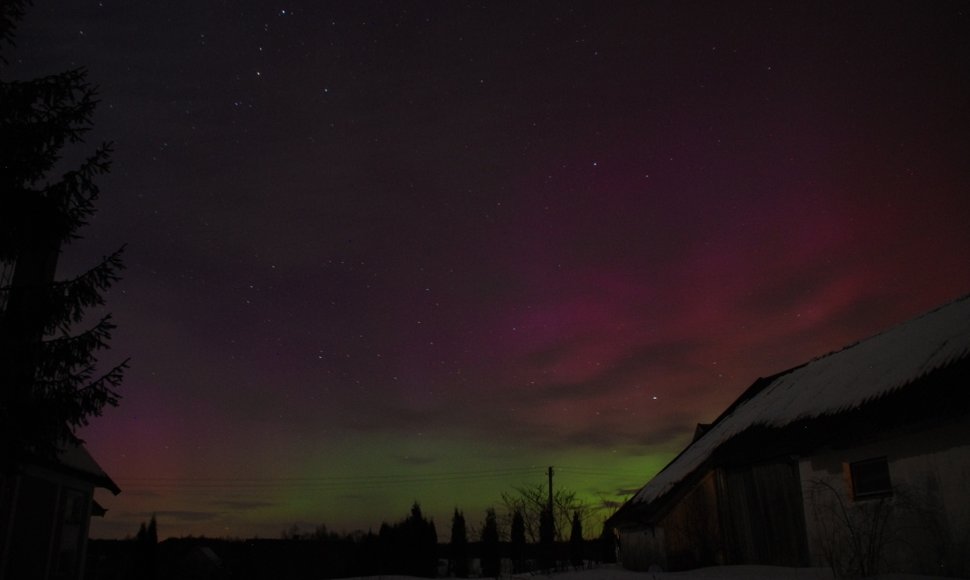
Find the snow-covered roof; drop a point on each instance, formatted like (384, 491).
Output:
(75, 457)
(832, 384)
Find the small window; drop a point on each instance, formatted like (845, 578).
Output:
(870, 478)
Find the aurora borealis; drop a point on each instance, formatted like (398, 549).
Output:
(381, 252)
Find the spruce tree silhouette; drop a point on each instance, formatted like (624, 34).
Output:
(491, 558)
(459, 545)
(518, 542)
(410, 547)
(146, 542)
(49, 379)
(576, 544)
(547, 541)
(606, 546)
(425, 544)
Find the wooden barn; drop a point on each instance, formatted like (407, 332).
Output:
(858, 460)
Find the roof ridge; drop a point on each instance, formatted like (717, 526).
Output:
(830, 384)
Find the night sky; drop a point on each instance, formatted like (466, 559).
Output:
(381, 252)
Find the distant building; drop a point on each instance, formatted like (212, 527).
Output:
(45, 513)
(858, 460)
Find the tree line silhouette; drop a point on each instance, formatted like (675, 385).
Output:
(498, 546)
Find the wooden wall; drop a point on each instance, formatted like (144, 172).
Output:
(640, 549)
(762, 514)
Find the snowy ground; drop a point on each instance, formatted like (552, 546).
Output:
(713, 573)
(719, 573)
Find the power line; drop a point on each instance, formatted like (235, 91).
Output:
(603, 472)
(322, 482)
(502, 471)
(251, 484)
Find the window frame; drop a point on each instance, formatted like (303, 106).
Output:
(872, 479)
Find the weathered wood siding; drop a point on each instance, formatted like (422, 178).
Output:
(642, 548)
(692, 528)
(688, 536)
(922, 528)
(762, 515)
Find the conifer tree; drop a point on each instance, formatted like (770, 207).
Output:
(410, 547)
(146, 544)
(607, 546)
(576, 541)
(421, 539)
(50, 381)
(547, 539)
(459, 545)
(152, 530)
(518, 542)
(491, 558)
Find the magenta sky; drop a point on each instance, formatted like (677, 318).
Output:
(411, 251)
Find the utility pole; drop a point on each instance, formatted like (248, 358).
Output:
(549, 507)
(547, 532)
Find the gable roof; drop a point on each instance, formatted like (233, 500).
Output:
(76, 458)
(835, 383)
